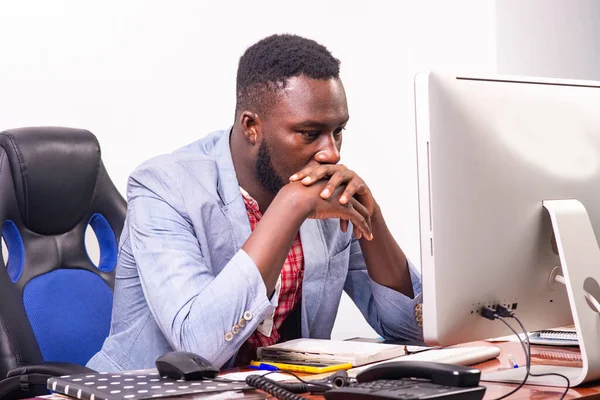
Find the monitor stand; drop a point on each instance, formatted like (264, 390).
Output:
(580, 261)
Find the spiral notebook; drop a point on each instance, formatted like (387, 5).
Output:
(555, 337)
(560, 354)
(139, 385)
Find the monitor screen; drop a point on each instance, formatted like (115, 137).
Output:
(497, 158)
(490, 151)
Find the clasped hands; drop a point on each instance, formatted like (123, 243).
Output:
(334, 191)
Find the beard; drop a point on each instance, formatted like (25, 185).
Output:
(267, 176)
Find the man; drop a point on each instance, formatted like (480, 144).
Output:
(248, 236)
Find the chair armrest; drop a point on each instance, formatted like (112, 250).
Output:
(31, 380)
(50, 369)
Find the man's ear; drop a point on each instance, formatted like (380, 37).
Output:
(251, 126)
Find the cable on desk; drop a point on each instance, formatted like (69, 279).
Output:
(505, 312)
(500, 313)
(529, 360)
(335, 381)
(271, 387)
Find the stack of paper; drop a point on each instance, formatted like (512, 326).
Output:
(330, 351)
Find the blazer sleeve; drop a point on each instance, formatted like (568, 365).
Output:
(195, 310)
(393, 315)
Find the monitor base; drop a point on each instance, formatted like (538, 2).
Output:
(516, 375)
(579, 258)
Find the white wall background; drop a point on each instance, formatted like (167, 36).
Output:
(550, 38)
(149, 76)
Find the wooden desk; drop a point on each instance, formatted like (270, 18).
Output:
(540, 355)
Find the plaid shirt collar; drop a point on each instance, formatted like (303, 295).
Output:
(251, 204)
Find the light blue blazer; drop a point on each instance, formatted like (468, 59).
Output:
(184, 283)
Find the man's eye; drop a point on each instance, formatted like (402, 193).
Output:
(339, 131)
(311, 134)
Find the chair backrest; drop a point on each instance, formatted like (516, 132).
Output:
(55, 303)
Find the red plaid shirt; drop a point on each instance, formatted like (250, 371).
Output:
(292, 274)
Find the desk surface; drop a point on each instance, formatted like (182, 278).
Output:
(540, 355)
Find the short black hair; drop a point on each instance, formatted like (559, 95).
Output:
(266, 66)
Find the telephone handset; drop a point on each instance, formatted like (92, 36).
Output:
(413, 380)
(438, 373)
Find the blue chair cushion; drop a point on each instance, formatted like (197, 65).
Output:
(69, 311)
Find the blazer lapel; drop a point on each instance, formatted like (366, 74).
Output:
(229, 191)
(315, 270)
(311, 235)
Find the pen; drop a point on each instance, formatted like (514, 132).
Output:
(512, 361)
(265, 367)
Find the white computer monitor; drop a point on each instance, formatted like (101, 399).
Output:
(504, 165)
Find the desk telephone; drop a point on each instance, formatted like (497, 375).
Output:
(412, 380)
(392, 380)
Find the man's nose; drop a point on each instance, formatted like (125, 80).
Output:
(329, 153)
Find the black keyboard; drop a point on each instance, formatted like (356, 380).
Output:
(404, 389)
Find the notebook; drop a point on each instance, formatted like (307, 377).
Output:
(229, 395)
(330, 351)
(555, 337)
(559, 354)
(146, 384)
(564, 336)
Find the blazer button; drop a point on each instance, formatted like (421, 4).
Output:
(242, 322)
(228, 336)
(418, 307)
(247, 315)
(235, 329)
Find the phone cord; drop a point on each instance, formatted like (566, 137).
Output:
(276, 389)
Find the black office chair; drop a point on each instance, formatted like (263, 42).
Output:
(55, 303)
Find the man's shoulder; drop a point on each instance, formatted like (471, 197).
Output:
(192, 166)
(200, 152)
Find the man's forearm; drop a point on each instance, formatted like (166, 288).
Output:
(386, 262)
(270, 243)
